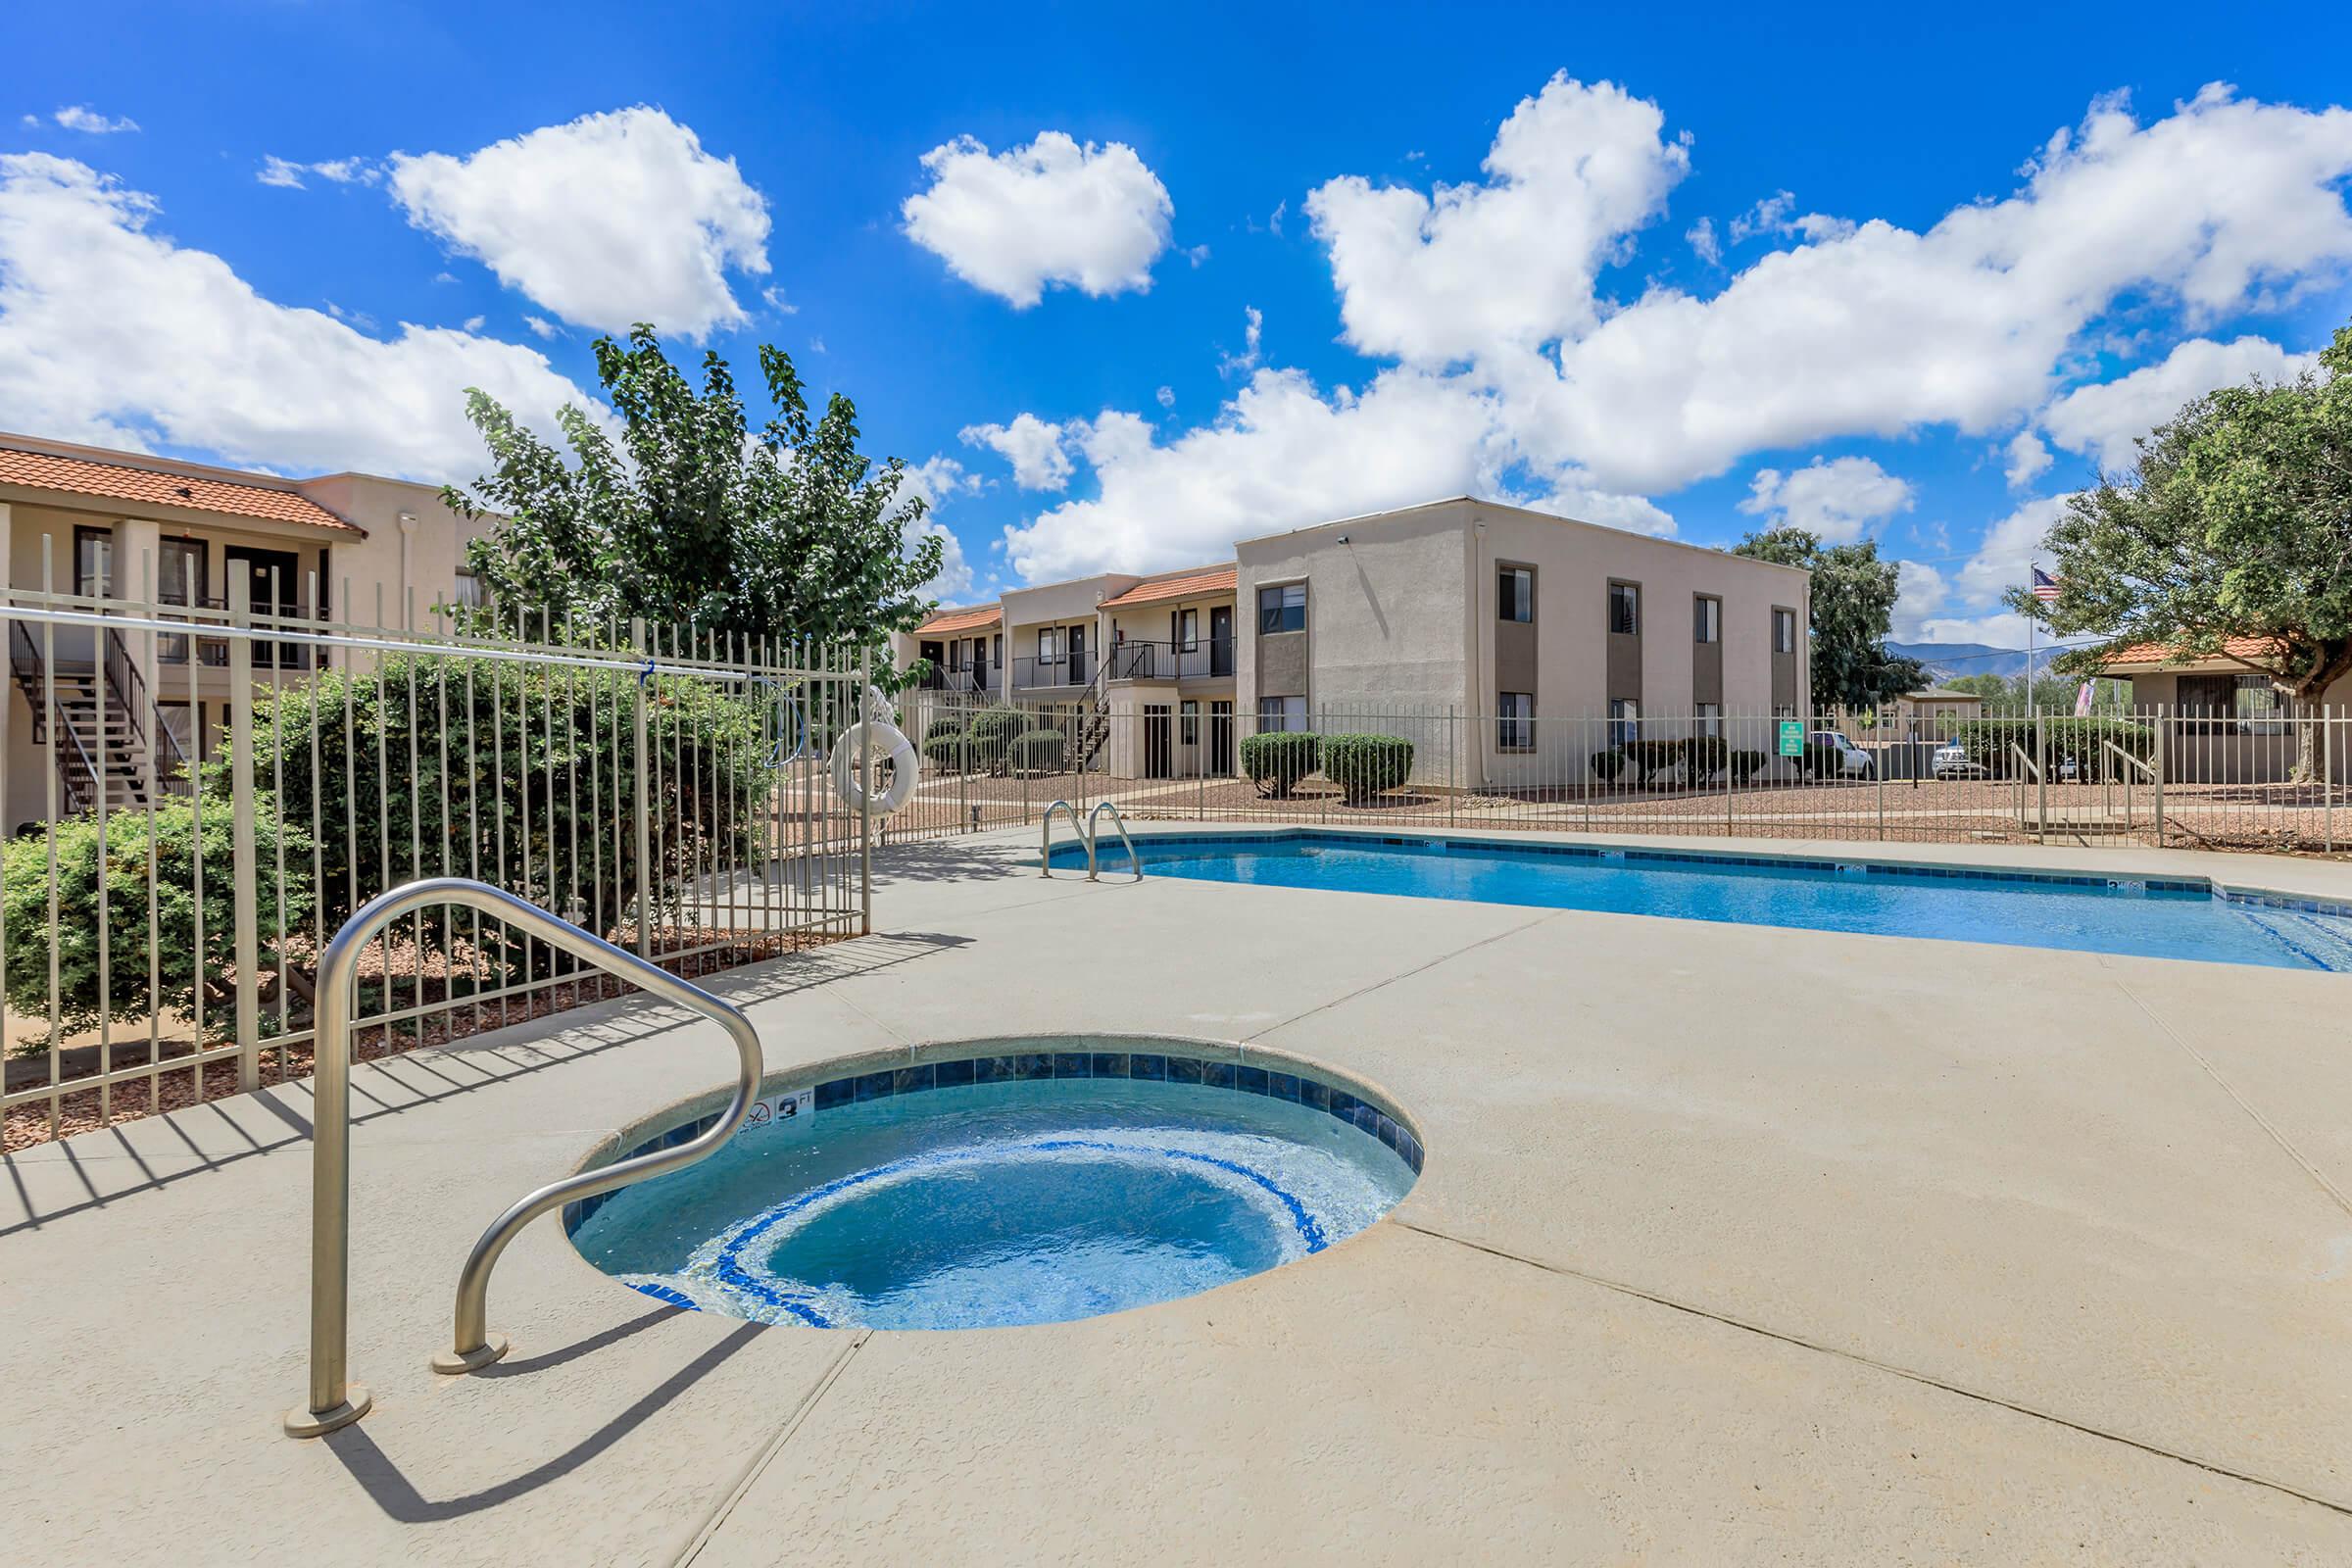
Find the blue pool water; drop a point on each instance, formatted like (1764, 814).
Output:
(1030, 1201)
(2149, 919)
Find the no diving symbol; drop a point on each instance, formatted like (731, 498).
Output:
(761, 1114)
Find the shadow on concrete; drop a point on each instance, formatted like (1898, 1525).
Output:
(523, 1366)
(163, 1150)
(380, 1477)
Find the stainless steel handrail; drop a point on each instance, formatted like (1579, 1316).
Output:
(1118, 820)
(335, 1400)
(1045, 838)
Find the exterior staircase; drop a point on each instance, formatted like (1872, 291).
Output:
(1094, 716)
(106, 731)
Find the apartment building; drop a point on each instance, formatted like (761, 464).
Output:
(87, 521)
(1537, 640)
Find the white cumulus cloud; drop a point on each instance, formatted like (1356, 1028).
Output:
(1471, 271)
(1091, 216)
(111, 334)
(935, 481)
(2103, 422)
(1033, 446)
(607, 221)
(1837, 500)
(2029, 459)
(89, 122)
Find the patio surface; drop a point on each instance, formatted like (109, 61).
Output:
(1734, 1245)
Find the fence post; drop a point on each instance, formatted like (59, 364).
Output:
(2160, 727)
(1457, 770)
(2328, 778)
(865, 796)
(2041, 779)
(244, 870)
(646, 879)
(1879, 773)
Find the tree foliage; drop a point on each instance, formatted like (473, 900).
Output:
(690, 519)
(2236, 524)
(1853, 609)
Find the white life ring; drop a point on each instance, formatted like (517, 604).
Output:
(882, 739)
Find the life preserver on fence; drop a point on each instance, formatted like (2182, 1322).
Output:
(882, 739)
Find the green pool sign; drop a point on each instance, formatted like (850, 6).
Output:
(1793, 737)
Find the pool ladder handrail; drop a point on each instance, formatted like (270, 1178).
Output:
(335, 1400)
(1118, 819)
(1086, 836)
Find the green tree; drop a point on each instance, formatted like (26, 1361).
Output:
(2236, 524)
(1853, 609)
(690, 519)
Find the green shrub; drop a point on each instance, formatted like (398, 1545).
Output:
(992, 733)
(184, 965)
(524, 776)
(1703, 756)
(1366, 765)
(950, 751)
(1277, 760)
(1747, 765)
(1609, 764)
(940, 728)
(1038, 751)
(1988, 743)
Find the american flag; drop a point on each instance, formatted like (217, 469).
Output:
(2045, 586)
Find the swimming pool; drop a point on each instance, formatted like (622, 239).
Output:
(2144, 917)
(1007, 1182)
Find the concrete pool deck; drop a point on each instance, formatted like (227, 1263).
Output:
(1734, 1245)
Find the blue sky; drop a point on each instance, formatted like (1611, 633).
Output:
(1127, 287)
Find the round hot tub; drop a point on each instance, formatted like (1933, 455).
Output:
(1005, 1181)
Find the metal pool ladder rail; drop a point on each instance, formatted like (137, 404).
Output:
(335, 1401)
(1086, 836)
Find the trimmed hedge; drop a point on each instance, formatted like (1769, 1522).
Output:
(990, 740)
(1038, 751)
(1366, 765)
(1276, 762)
(1988, 741)
(1747, 765)
(184, 969)
(1607, 765)
(950, 751)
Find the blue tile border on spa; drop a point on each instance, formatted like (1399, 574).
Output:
(1249, 1078)
(1067, 853)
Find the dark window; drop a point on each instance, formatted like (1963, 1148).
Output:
(1783, 631)
(1709, 718)
(1515, 594)
(1515, 721)
(94, 564)
(1188, 629)
(1188, 722)
(1282, 609)
(1276, 714)
(1625, 722)
(1706, 621)
(1625, 608)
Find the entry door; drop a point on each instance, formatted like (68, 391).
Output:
(1155, 740)
(1220, 643)
(273, 584)
(1220, 738)
(1077, 668)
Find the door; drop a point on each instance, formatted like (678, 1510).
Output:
(1220, 736)
(1076, 674)
(1155, 740)
(1220, 645)
(274, 582)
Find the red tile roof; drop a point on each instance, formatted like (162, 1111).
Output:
(1192, 585)
(115, 481)
(947, 622)
(2244, 650)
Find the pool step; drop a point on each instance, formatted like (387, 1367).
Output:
(2325, 939)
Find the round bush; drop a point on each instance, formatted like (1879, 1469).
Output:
(938, 727)
(1703, 756)
(949, 752)
(992, 734)
(1607, 765)
(1366, 765)
(1278, 760)
(1038, 751)
(1747, 765)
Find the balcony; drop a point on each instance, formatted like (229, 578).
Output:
(1142, 660)
(973, 681)
(1032, 674)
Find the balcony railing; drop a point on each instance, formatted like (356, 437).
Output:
(1066, 669)
(212, 651)
(1143, 660)
(979, 679)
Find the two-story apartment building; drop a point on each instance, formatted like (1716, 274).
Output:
(1537, 640)
(86, 520)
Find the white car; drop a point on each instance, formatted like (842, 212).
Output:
(1853, 760)
(1951, 760)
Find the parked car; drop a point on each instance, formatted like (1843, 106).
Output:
(1951, 760)
(1830, 754)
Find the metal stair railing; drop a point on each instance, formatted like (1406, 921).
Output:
(335, 1400)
